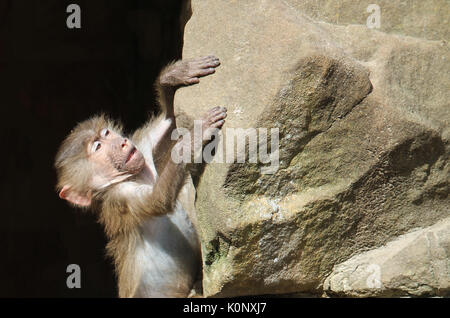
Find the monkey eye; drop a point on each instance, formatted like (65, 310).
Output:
(104, 132)
(96, 146)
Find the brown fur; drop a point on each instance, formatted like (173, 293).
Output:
(121, 215)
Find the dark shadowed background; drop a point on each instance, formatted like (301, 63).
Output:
(52, 77)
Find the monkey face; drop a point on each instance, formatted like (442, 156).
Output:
(114, 158)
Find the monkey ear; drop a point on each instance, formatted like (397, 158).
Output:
(74, 197)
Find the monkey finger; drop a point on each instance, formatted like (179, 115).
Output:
(216, 110)
(192, 80)
(203, 60)
(202, 72)
(209, 64)
(207, 60)
(219, 117)
(214, 61)
(213, 112)
(218, 124)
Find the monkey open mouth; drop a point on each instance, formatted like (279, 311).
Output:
(130, 155)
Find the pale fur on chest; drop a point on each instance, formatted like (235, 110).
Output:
(167, 256)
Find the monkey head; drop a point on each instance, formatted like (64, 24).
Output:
(93, 157)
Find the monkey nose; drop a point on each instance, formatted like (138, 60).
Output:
(124, 143)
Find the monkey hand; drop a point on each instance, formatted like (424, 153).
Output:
(211, 121)
(188, 72)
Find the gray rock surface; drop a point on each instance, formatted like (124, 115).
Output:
(363, 117)
(415, 264)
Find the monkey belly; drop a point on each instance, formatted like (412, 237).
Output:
(168, 257)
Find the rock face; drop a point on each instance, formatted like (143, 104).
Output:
(363, 120)
(415, 264)
(424, 19)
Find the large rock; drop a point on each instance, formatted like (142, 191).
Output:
(363, 119)
(425, 19)
(416, 264)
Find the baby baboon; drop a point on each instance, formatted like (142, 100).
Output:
(151, 238)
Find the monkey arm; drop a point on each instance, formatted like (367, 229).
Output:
(155, 135)
(161, 142)
(161, 198)
(173, 76)
(166, 122)
(158, 130)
